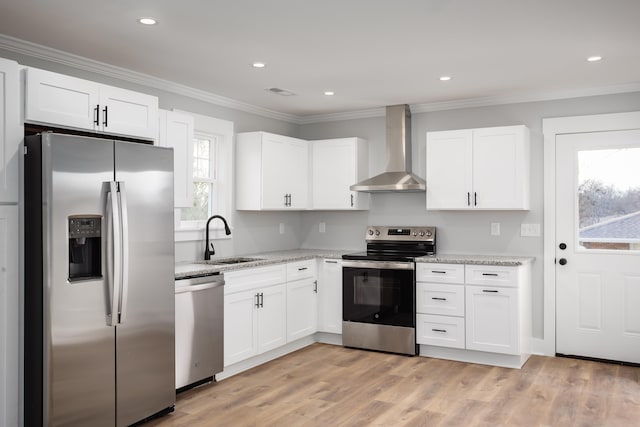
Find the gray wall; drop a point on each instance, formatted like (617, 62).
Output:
(458, 232)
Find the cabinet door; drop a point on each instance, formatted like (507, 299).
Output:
(61, 100)
(240, 326)
(501, 167)
(492, 319)
(9, 316)
(176, 131)
(334, 170)
(275, 171)
(272, 325)
(302, 312)
(126, 112)
(11, 130)
(298, 173)
(449, 161)
(330, 296)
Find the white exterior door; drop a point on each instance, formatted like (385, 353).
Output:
(598, 245)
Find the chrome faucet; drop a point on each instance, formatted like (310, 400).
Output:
(207, 253)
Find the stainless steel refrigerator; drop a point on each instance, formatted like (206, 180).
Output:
(99, 281)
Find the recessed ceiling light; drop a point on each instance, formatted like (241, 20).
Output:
(445, 78)
(147, 21)
(594, 58)
(258, 65)
(329, 93)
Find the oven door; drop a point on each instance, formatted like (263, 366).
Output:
(378, 292)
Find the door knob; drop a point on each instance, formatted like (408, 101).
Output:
(562, 246)
(562, 261)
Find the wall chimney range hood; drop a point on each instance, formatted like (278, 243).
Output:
(397, 175)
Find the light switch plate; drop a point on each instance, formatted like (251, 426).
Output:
(322, 227)
(530, 230)
(282, 228)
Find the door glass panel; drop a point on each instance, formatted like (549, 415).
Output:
(609, 199)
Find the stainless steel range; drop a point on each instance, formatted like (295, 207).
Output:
(379, 289)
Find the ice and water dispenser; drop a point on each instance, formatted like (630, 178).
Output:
(85, 248)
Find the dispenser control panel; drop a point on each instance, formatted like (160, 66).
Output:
(84, 227)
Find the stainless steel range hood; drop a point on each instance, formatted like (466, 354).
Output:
(397, 175)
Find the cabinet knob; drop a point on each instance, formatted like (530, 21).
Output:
(562, 246)
(562, 261)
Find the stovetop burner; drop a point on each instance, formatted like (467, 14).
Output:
(396, 244)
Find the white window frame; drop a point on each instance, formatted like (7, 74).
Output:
(222, 131)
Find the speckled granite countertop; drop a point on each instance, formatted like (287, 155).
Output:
(202, 268)
(500, 260)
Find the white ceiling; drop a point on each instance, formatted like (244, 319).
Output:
(372, 53)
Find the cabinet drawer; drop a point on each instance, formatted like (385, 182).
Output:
(301, 269)
(491, 275)
(444, 331)
(442, 299)
(439, 273)
(251, 278)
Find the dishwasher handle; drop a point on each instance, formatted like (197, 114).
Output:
(199, 284)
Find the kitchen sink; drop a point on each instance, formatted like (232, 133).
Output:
(228, 261)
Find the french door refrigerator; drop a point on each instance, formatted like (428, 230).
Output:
(99, 281)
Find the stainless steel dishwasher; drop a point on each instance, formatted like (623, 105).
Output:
(199, 330)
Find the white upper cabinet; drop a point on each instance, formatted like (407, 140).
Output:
(11, 130)
(485, 168)
(336, 165)
(67, 101)
(176, 131)
(272, 172)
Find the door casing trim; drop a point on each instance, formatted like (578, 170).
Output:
(552, 127)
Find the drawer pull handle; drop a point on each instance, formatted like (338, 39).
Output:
(302, 268)
(439, 299)
(490, 274)
(439, 330)
(438, 272)
(490, 290)
(331, 262)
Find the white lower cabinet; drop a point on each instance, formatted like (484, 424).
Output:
(302, 308)
(254, 312)
(302, 299)
(493, 322)
(330, 296)
(483, 308)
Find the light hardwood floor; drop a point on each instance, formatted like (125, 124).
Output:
(325, 385)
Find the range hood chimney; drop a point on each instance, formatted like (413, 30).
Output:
(397, 175)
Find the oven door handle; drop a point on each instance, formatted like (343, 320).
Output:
(379, 265)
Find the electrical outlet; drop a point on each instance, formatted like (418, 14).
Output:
(282, 228)
(495, 228)
(322, 227)
(530, 230)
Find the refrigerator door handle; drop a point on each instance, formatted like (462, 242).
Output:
(124, 298)
(115, 255)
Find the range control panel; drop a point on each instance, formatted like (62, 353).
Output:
(376, 233)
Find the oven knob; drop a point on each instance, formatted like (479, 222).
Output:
(422, 234)
(377, 232)
(429, 233)
(370, 232)
(414, 234)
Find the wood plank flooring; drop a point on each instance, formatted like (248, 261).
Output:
(326, 385)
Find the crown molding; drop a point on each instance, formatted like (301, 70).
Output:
(64, 58)
(79, 62)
